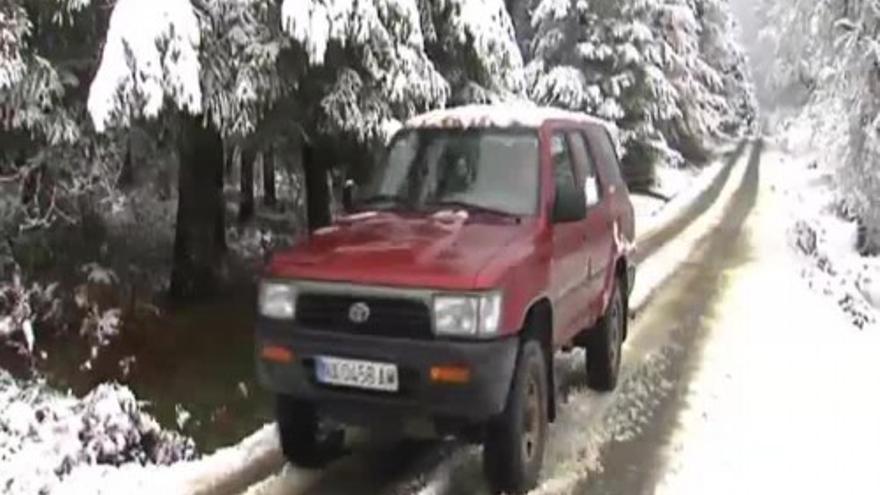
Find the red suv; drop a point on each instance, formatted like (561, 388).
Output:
(488, 238)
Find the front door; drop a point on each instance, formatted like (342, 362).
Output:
(600, 244)
(569, 269)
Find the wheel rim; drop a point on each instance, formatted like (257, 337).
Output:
(531, 420)
(614, 330)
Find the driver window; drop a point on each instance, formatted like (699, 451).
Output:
(586, 167)
(562, 164)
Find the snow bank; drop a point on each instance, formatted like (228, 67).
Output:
(45, 435)
(826, 242)
(671, 182)
(227, 470)
(683, 199)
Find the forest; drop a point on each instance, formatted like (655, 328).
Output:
(153, 153)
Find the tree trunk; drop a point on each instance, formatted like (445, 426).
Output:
(521, 14)
(228, 157)
(126, 175)
(317, 188)
(269, 198)
(246, 201)
(198, 245)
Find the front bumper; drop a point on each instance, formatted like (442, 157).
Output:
(491, 367)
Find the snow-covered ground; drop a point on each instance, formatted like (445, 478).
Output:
(45, 435)
(824, 241)
(783, 398)
(670, 183)
(680, 187)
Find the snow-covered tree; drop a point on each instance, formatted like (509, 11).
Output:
(700, 87)
(337, 72)
(832, 49)
(723, 51)
(47, 154)
(31, 86)
(603, 57)
(366, 62)
(473, 44)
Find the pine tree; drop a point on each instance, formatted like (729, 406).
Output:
(700, 87)
(603, 58)
(369, 61)
(722, 50)
(473, 44)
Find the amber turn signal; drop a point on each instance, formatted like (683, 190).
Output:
(450, 374)
(277, 354)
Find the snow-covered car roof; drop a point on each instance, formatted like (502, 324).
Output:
(500, 115)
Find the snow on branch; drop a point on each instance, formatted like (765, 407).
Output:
(486, 28)
(151, 52)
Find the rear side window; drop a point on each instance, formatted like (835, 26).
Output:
(603, 151)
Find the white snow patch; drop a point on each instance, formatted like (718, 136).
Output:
(45, 435)
(670, 183)
(827, 243)
(252, 458)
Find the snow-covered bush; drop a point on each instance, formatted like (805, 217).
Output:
(23, 306)
(44, 435)
(831, 50)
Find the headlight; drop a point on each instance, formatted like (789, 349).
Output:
(467, 315)
(277, 300)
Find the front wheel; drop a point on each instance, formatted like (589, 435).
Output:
(514, 445)
(303, 440)
(604, 344)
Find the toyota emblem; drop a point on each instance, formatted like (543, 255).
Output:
(359, 312)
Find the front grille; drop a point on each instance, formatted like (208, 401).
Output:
(401, 318)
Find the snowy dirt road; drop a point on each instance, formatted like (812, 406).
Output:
(774, 388)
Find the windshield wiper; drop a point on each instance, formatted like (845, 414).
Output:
(469, 207)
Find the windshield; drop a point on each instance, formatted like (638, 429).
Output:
(487, 169)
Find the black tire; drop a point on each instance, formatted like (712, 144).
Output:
(513, 449)
(303, 441)
(604, 344)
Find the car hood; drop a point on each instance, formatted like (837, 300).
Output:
(443, 250)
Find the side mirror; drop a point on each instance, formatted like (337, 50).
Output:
(570, 204)
(349, 188)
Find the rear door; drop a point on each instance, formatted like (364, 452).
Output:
(599, 246)
(568, 272)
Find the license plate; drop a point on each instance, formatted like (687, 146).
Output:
(356, 373)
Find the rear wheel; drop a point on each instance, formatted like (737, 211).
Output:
(604, 344)
(514, 446)
(304, 441)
